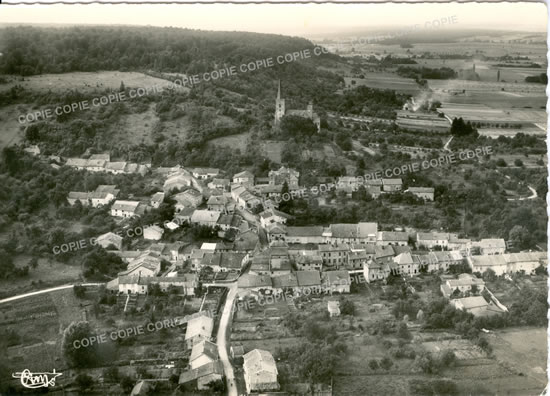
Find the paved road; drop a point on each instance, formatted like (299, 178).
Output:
(222, 344)
(5, 300)
(446, 147)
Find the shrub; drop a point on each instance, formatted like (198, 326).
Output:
(373, 364)
(386, 363)
(448, 358)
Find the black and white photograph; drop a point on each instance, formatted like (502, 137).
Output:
(273, 199)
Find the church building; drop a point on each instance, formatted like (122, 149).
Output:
(281, 111)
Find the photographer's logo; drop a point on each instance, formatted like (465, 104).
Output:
(36, 380)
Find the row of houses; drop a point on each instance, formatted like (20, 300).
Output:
(299, 282)
(508, 263)
(102, 163)
(375, 187)
(335, 233)
(102, 195)
(406, 264)
(431, 240)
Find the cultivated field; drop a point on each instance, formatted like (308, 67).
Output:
(384, 81)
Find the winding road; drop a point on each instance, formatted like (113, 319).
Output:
(5, 300)
(222, 341)
(532, 196)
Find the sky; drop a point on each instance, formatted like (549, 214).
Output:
(289, 19)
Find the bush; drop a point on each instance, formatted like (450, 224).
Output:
(84, 381)
(373, 364)
(403, 331)
(347, 307)
(111, 373)
(448, 358)
(79, 291)
(386, 363)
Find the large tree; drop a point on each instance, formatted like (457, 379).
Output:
(77, 354)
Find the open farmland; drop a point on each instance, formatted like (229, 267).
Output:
(384, 81)
(85, 82)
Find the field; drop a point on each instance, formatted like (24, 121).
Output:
(12, 130)
(272, 149)
(239, 141)
(48, 273)
(384, 81)
(85, 82)
(523, 350)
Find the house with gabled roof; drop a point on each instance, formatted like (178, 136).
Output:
(203, 353)
(244, 177)
(199, 329)
(477, 306)
(256, 283)
(109, 239)
(260, 371)
(392, 238)
(122, 208)
(508, 263)
(309, 234)
(146, 264)
(405, 264)
(334, 256)
(425, 193)
(178, 180)
(276, 232)
(218, 203)
(204, 375)
(102, 195)
(391, 185)
(205, 173)
(156, 199)
(374, 270)
(463, 284)
(430, 240)
(153, 233)
(362, 232)
(272, 216)
(491, 246)
(205, 217)
(116, 168)
(336, 281)
(309, 262)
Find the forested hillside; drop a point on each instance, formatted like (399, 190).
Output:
(31, 50)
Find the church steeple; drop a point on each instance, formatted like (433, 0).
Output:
(279, 105)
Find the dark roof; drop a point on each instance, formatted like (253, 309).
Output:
(305, 231)
(204, 370)
(308, 278)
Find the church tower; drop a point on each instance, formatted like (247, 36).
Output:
(279, 106)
